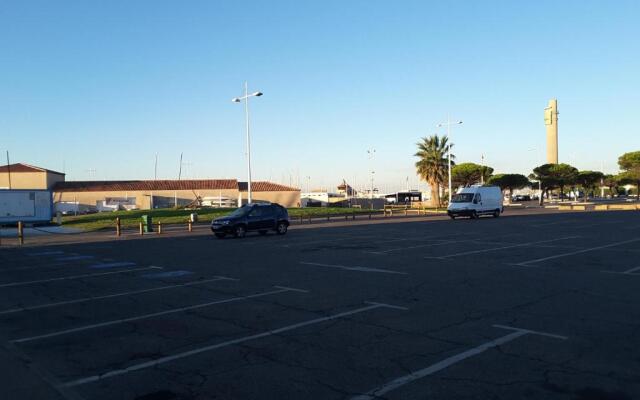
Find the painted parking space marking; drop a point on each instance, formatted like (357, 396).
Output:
(73, 258)
(167, 274)
(358, 269)
(46, 253)
(464, 253)
(538, 260)
(70, 277)
(632, 271)
(419, 246)
(332, 240)
(151, 315)
(111, 296)
(193, 352)
(394, 384)
(555, 223)
(52, 265)
(112, 265)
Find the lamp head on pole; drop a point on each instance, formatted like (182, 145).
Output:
(235, 100)
(257, 94)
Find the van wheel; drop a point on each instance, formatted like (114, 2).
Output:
(474, 215)
(452, 216)
(496, 213)
(240, 231)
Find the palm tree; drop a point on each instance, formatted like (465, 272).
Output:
(432, 163)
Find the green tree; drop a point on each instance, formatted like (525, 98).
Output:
(467, 174)
(552, 176)
(509, 182)
(611, 182)
(485, 173)
(630, 165)
(588, 181)
(432, 164)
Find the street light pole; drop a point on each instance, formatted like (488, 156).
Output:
(371, 152)
(246, 114)
(448, 124)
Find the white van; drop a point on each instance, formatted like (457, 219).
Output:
(475, 201)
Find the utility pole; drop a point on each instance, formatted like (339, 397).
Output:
(246, 114)
(371, 153)
(448, 125)
(9, 169)
(180, 168)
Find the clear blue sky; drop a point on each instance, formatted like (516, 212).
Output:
(107, 85)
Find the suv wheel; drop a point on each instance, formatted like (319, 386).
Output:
(281, 229)
(240, 231)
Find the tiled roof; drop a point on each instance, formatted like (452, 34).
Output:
(264, 186)
(20, 167)
(124, 186)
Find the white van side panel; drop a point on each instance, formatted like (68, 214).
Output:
(491, 198)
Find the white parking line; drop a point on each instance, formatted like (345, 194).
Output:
(333, 239)
(64, 278)
(166, 359)
(442, 243)
(74, 258)
(627, 272)
(110, 296)
(359, 269)
(46, 253)
(439, 366)
(537, 260)
(564, 221)
(503, 247)
(145, 316)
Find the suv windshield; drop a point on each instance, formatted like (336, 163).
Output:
(462, 198)
(240, 212)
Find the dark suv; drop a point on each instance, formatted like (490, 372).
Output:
(252, 217)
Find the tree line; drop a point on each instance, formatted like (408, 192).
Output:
(432, 167)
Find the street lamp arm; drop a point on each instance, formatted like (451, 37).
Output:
(239, 99)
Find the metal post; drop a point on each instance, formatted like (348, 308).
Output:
(141, 229)
(9, 169)
(449, 152)
(190, 226)
(159, 228)
(118, 226)
(20, 233)
(246, 112)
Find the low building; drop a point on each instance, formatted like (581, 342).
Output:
(25, 176)
(80, 196)
(142, 194)
(271, 192)
(170, 193)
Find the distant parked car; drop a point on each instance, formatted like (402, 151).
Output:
(521, 197)
(251, 218)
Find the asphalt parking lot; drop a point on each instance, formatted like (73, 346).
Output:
(537, 307)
